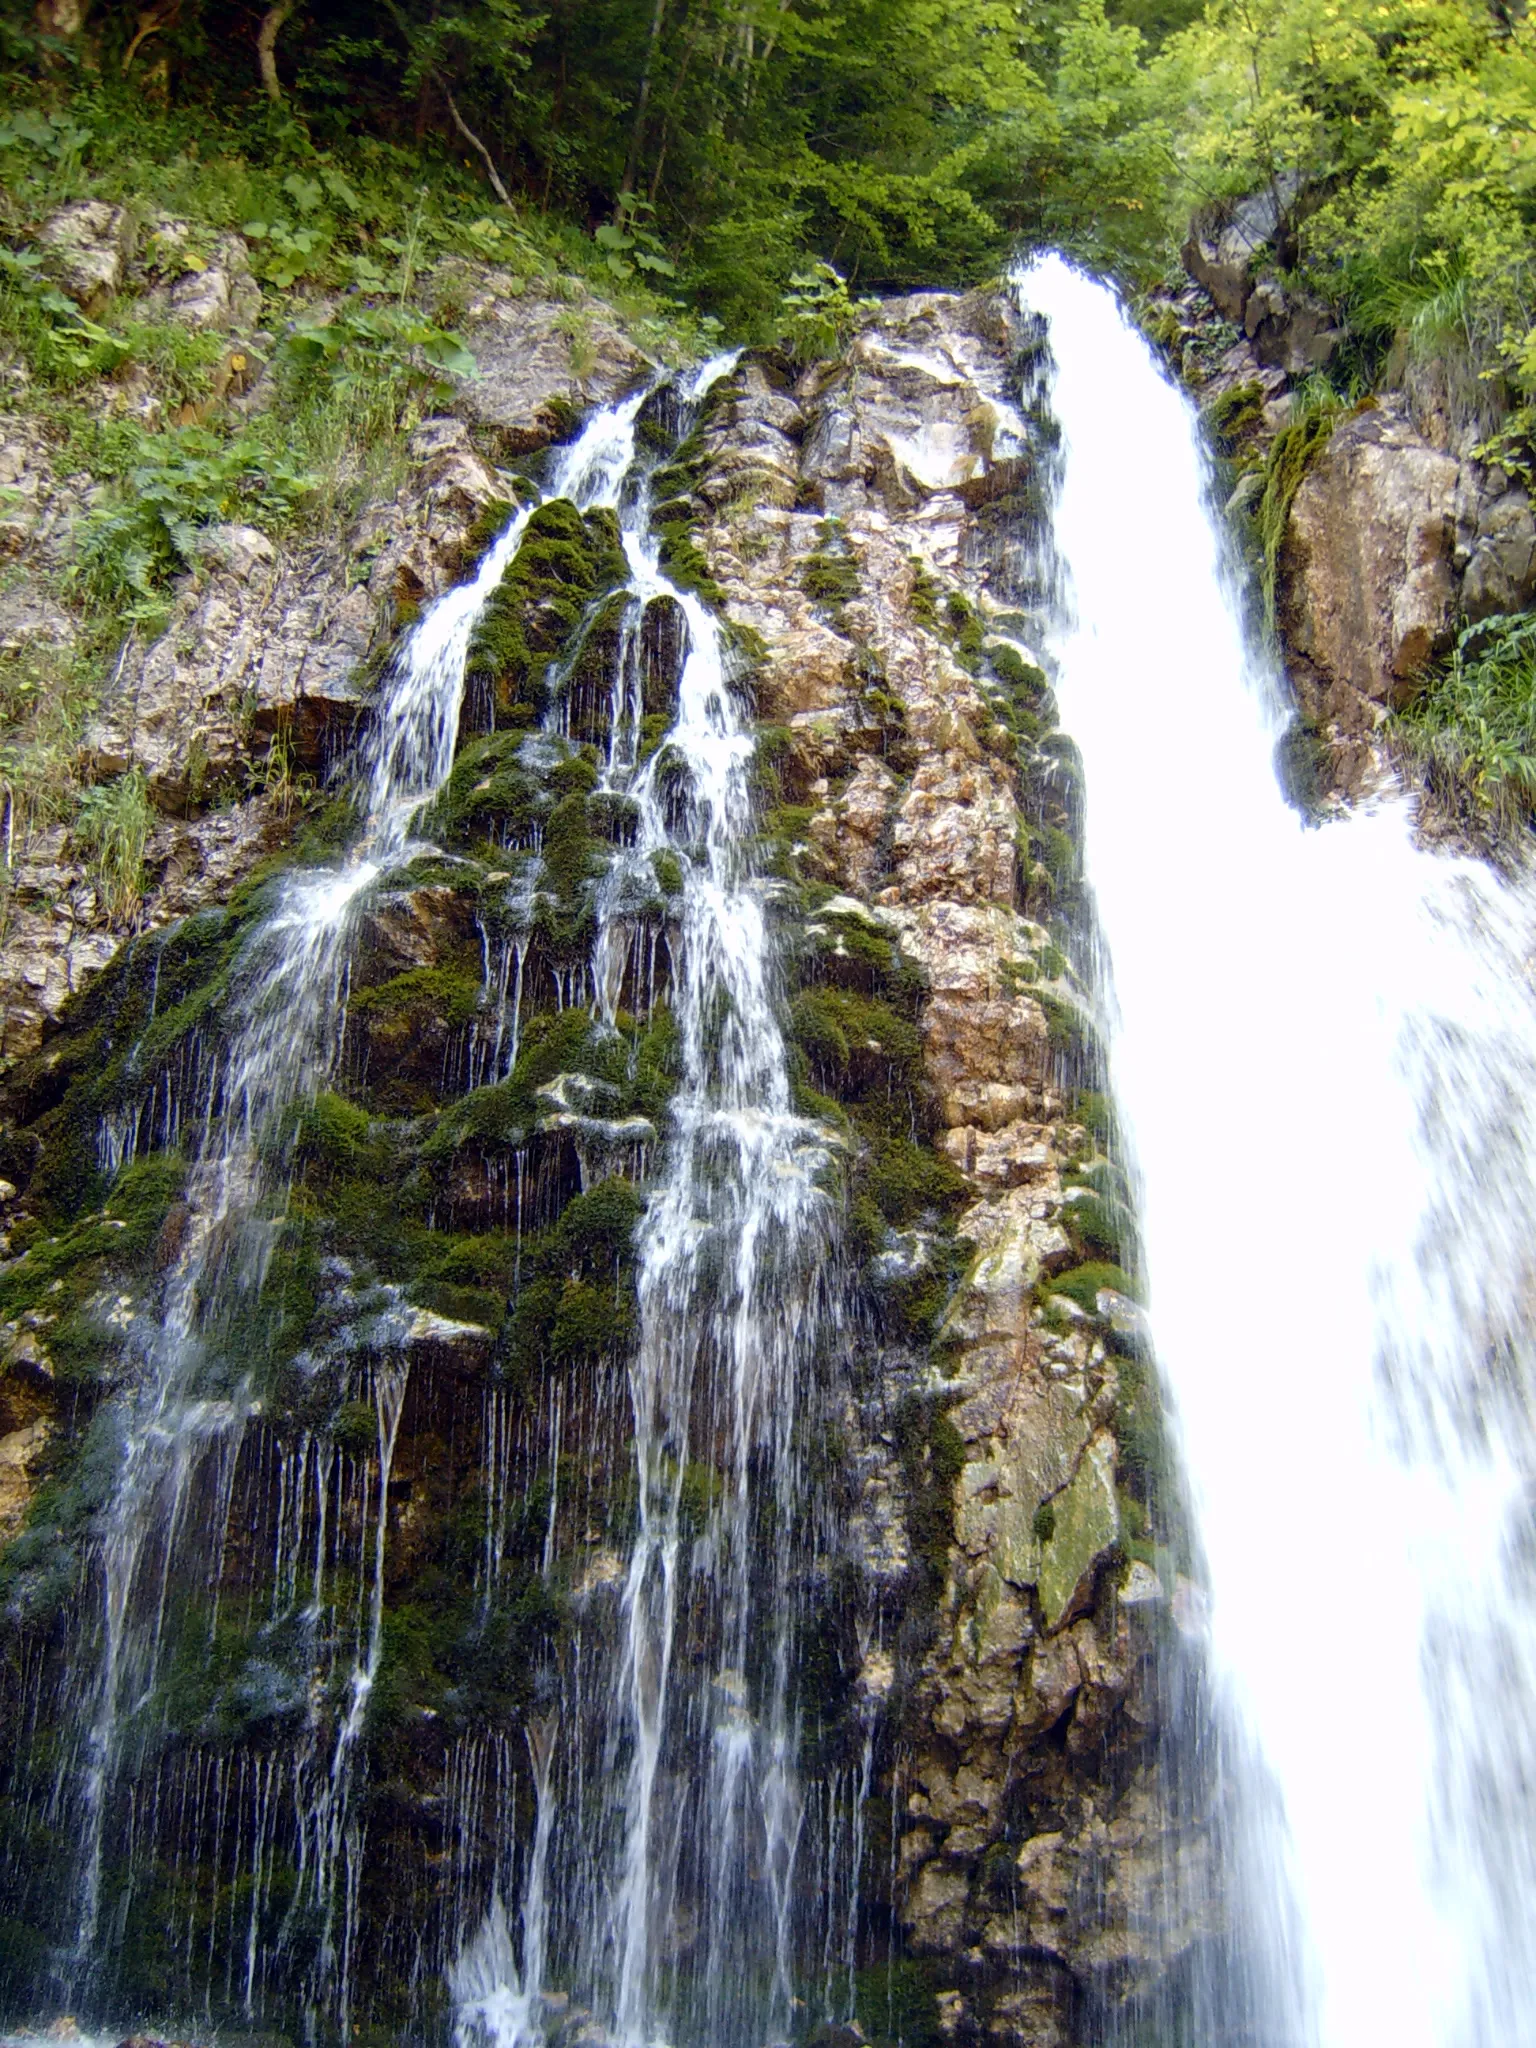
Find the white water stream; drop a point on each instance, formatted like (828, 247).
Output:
(1323, 1043)
(282, 1044)
(672, 1915)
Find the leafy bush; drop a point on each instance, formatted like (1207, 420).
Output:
(176, 483)
(373, 359)
(817, 314)
(1473, 726)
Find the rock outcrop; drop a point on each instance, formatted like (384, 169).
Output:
(1365, 583)
(993, 1597)
(1026, 1767)
(1392, 529)
(257, 682)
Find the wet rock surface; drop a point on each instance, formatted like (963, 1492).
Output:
(1025, 1766)
(866, 528)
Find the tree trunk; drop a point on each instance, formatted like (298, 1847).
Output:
(637, 132)
(266, 48)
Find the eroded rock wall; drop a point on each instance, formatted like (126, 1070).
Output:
(1004, 1568)
(1385, 527)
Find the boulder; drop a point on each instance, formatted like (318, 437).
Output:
(539, 363)
(220, 296)
(1500, 575)
(1366, 589)
(85, 250)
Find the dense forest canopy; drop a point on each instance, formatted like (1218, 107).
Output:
(714, 145)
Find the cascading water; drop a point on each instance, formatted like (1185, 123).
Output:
(1323, 1042)
(662, 1879)
(683, 1698)
(188, 1395)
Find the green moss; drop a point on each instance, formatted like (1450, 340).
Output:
(910, 1304)
(569, 858)
(1097, 1228)
(1096, 1113)
(831, 575)
(448, 994)
(907, 1182)
(564, 564)
(336, 1137)
(1232, 416)
(923, 594)
(487, 526)
(1140, 1432)
(896, 2006)
(685, 562)
(62, 1271)
(855, 1044)
(1293, 451)
(931, 1452)
(355, 1428)
(1083, 1283)
(965, 624)
(577, 1301)
(668, 870)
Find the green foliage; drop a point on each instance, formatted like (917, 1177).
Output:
(1472, 728)
(631, 243)
(1399, 139)
(169, 485)
(112, 823)
(373, 360)
(818, 315)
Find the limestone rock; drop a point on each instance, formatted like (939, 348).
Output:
(1500, 575)
(986, 1040)
(537, 361)
(222, 295)
(85, 248)
(262, 642)
(1086, 1524)
(1365, 585)
(29, 616)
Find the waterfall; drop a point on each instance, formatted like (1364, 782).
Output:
(187, 1394)
(1322, 1040)
(672, 1911)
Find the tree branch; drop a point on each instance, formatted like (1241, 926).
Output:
(475, 143)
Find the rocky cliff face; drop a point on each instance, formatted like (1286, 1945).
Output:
(1004, 1583)
(1386, 529)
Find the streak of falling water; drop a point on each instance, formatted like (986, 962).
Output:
(1324, 1045)
(282, 1042)
(694, 1716)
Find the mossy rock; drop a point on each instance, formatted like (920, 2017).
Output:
(564, 564)
(855, 1044)
(1083, 1284)
(685, 562)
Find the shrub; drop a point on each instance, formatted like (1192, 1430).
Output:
(112, 825)
(1473, 726)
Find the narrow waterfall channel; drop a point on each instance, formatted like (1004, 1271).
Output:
(658, 1878)
(1323, 1044)
(666, 1778)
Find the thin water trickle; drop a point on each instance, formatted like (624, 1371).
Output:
(682, 1700)
(281, 1044)
(1323, 1042)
